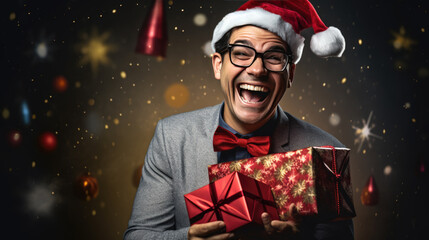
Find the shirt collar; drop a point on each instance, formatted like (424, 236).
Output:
(265, 130)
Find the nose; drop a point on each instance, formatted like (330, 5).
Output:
(257, 68)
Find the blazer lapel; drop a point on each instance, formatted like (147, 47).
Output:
(280, 137)
(211, 123)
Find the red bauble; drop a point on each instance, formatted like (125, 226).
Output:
(48, 141)
(60, 84)
(152, 38)
(14, 138)
(369, 195)
(86, 187)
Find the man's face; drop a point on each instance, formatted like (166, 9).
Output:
(252, 93)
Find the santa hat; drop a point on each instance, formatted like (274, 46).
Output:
(286, 19)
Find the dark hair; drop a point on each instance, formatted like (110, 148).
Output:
(222, 44)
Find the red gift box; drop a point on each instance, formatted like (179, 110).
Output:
(315, 179)
(235, 199)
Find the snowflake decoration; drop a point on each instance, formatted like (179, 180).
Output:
(363, 134)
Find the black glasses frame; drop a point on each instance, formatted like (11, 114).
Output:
(258, 54)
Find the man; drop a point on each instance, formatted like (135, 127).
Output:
(257, 48)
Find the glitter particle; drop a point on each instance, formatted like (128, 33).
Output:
(12, 16)
(387, 170)
(344, 80)
(360, 41)
(123, 74)
(5, 113)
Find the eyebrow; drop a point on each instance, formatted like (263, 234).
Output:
(245, 42)
(248, 43)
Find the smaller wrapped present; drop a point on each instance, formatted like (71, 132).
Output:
(315, 179)
(235, 199)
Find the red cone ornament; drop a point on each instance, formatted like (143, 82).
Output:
(369, 195)
(152, 38)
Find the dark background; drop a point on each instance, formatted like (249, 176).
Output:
(105, 119)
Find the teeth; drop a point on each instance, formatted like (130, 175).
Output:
(253, 88)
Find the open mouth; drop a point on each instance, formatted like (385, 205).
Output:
(252, 94)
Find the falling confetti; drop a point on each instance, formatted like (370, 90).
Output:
(86, 187)
(402, 41)
(95, 50)
(40, 200)
(387, 170)
(60, 84)
(25, 112)
(48, 141)
(334, 119)
(200, 19)
(15, 138)
(42, 50)
(176, 95)
(207, 49)
(363, 134)
(5, 113)
(369, 195)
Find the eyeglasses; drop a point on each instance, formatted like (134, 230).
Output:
(245, 56)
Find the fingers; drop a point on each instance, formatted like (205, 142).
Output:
(284, 226)
(222, 236)
(266, 221)
(211, 230)
(293, 213)
(277, 226)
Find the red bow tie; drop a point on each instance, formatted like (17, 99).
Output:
(224, 140)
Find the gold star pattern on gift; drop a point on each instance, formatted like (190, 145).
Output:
(401, 41)
(95, 50)
(280, 173)
(363, 134)
(299, 188)
(281, 199)
(235, 166)
(248, 167)
(309, 196)
(256, 175)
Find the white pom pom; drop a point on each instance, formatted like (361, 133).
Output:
(329, 43)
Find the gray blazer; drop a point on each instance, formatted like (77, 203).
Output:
(176, 164)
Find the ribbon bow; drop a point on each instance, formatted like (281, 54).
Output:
(224, 140)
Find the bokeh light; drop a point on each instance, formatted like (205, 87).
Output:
(60, 84)
(200, 19)
(334, 119)
(176, 95)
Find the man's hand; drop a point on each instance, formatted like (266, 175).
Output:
(281, 229)
(209, 231)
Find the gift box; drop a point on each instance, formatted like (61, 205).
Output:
(315, 179)
(235, 199)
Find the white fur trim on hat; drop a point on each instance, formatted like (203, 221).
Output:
(264, 19)
(329, 43)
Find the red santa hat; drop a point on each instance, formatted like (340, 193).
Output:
(287, 19)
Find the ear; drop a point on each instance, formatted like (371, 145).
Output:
(217, 64)
(291, 73)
